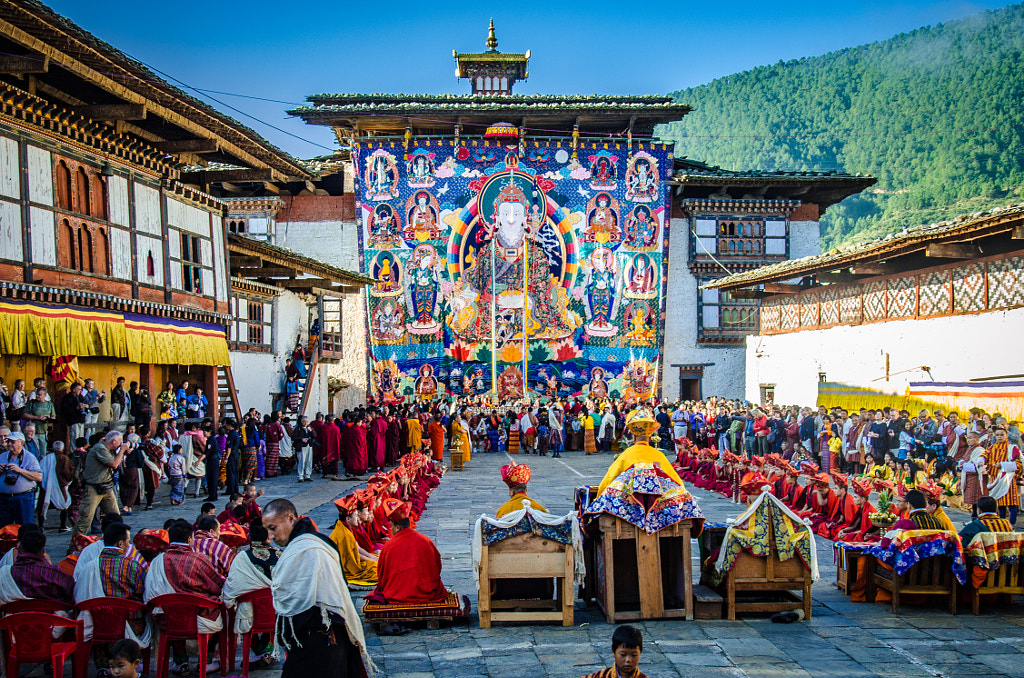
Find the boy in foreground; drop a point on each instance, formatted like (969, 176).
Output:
(627, 646)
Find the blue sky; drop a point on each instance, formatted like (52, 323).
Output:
(285, 51)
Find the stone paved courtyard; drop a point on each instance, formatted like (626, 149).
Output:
(841, 639)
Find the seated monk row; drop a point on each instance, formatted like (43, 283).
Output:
(363, 527)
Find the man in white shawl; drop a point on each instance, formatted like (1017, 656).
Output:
(251, 570)
(114, 574)
(54, 492)
(317, 623)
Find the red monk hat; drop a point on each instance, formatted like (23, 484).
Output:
(731, 458)
(379, 479)
(234, 535)
(362, 499)
(820, 479)
(397, 510)
(80, 541)
(345, 504)
(155, 541)
(515, 474)
(790, 469)
(757, 461)
(9, 538)
(931, 490)
(842, 479)
(861, 488)
(810, 469)
(753, 482)
(881, 484)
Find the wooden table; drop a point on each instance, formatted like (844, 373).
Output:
(640, 575)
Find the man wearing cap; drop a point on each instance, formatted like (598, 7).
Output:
(640, 423)
(409, 565)
(517, 476)
(358, 564)
(21, 472)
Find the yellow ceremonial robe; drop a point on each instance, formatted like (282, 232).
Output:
(941, 516)
(415, 434)
(357, 571)
(641, 453)
(516, 504)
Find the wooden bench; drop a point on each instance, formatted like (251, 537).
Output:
(758, 574)
(1006, 579)
(846, 568)
(527, 556)
(640, 575)
(928, 577)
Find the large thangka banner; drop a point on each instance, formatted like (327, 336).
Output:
(526, 271)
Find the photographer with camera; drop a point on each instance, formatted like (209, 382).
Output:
(20, 472)
(98, 479)
(40, 412)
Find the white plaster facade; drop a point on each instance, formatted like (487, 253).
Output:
(956, 348)
(727, 375)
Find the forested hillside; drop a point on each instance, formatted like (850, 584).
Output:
(937, 115)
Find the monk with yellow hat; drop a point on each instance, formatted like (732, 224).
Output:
(642, 426)
(517, 476)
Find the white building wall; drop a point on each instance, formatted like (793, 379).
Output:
(352, 368)
(332, 242)
(956, 348)
(336, 243)
(804, 239)
(256, 375)
(725, 377)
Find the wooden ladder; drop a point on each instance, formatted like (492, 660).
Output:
(227, 394)
(310, 376)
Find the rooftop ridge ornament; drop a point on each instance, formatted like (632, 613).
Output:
(492, 40)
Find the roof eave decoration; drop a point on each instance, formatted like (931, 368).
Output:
(964, 227)
(72, 47)
(284, 257)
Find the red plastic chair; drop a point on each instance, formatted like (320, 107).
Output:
(28, 637)
(34, 605)
(109, 618)
(179, 621)
(264, 619)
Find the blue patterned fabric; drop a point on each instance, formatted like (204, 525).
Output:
(645, 497)
(903, 556)
(559, 533)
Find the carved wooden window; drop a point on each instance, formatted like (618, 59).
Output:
(64, 190)
(255, 322)
(191, 264)
(80, 188)
(68, 245)
(82, 205)
(84, 247)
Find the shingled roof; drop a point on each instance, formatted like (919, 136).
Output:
(551, 113)
(66, 45)
(962, 228)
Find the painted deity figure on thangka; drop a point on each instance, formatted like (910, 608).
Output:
(603, 219)
(381, 176)
(601, 283)
(641, 228)
(515, 254)
(642, 184)
(424, 271)
(420, 169)
(423, 220)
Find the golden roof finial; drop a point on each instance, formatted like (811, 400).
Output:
(492, 41)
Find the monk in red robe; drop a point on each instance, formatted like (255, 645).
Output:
(330, 447)
(860, 528)
(819, 501)
(409, 567)
(841, 510)
(377, 441)
(357, 463)
(802, 493)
